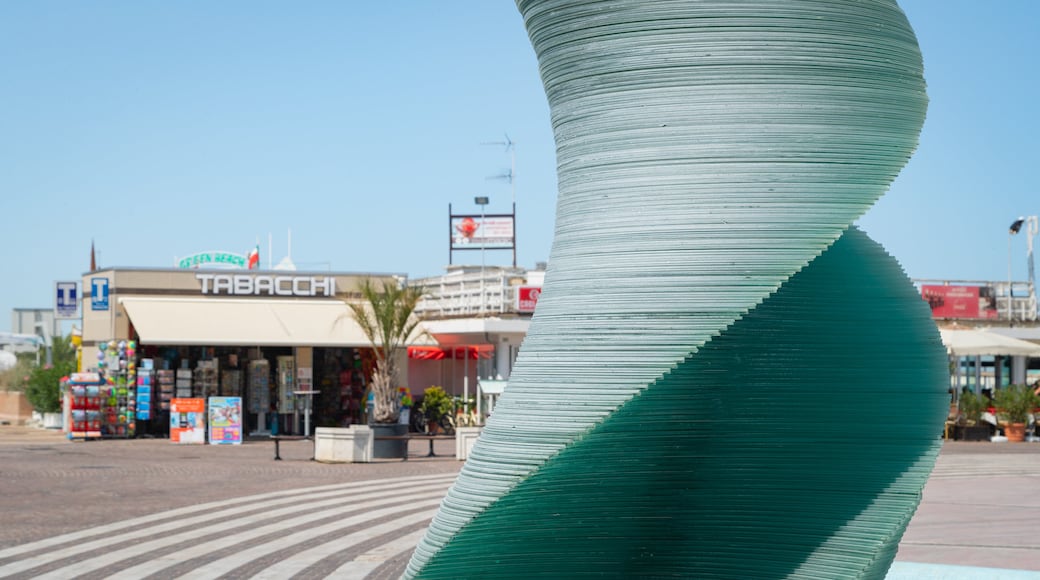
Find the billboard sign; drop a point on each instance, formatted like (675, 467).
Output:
(66, 300)
(475, 232)
(969, 302)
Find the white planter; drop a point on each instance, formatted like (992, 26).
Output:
(52, 421)
(465, 438)
(339, 445)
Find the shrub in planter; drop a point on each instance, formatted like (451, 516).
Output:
(970, 407)
(435, 405)
(1014, 404)
(44, 387)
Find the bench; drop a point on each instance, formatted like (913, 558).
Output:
(279, 438)
(418, 436)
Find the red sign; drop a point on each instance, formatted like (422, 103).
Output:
(959, 301)
(527, 298)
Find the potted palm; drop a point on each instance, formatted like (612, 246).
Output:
(435, 405)
(969, 426)
(386, 316)
(1014, 405)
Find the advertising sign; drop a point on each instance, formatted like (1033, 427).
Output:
(99, 293)
(527, 298)
(474, 232)
(188, 421)
(264, 285)
(225, 420)
(66, 300)
(971, 302)
(213, 260)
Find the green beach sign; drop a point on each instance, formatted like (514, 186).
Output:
(213, 259)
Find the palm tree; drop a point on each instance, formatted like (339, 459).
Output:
(387, 321)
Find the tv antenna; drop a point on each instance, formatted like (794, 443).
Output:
(509, 175)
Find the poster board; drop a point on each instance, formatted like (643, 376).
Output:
(188, 421)
(225, 420)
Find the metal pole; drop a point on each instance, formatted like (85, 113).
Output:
(483, 244)
(1009, 279)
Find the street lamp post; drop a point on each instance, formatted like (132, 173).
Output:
(1014, 229)
(482, 201)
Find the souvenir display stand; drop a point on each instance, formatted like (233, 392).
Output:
(83, 398)
(231, 383)
(258, 392)
(183, 381)
(165, 378)
(206, 374)
(286, 382)
(145, 393)
(103, 404)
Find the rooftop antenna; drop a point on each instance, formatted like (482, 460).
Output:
(510, 175)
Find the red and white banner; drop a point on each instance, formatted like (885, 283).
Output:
(473, 232)
(972, 302)
(527, 298)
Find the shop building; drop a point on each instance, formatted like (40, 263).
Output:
(264, 336)
(478, 318)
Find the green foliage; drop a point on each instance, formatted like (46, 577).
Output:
(1016, 402)
(436, 404)
(386, 318)
(43, 388)
(971, 406)
(63, 351)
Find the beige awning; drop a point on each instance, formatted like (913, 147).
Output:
(980, 342)
(231, 322)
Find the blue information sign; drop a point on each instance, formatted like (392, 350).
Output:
(99, 293)
(66, 300)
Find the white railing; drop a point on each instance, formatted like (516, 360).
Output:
(469, 294)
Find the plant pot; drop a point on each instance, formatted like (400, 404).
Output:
(971, 433)
(389, 448)
(52, 421)
(433, 427)
(1015, 432)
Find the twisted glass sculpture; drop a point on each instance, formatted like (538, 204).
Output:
(723, 378)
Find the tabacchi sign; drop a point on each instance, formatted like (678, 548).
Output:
(261, 285)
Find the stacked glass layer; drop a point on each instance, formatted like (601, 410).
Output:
(722, 378)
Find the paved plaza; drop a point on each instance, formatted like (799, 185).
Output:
(144, 508)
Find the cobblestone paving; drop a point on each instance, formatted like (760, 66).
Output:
(137, 508)
(146, 508)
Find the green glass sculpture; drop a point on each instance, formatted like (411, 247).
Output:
(723, 378)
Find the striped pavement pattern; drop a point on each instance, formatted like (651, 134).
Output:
(976, 465)
(350, 530)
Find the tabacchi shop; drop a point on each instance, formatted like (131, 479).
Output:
(267, 337)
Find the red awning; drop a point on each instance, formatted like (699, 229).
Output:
(427, 353)
(473, 351)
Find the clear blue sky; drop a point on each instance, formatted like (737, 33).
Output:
(160, 129)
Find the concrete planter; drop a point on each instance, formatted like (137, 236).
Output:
(339, 445)
(465, 438)
(52, 421)
(393, 448)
